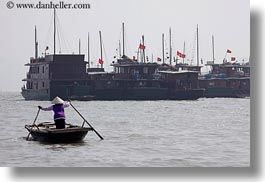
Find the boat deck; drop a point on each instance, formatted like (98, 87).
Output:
(47, 127)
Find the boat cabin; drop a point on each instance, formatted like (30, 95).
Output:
(133, 70)
(186, 67)
(180, 79)
(49, 76)
(230, 70)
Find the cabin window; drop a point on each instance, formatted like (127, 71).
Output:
(43, 69)
(211, 83)
(145, 70)
(135, 71)
(121, 70)
(43, 84)
(178, 83)
(34, 70)
(28, 85)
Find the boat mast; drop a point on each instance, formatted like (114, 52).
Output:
(184, 49)
(88, 53)
(138, 53)
(163, 48)
(79, 47)
(119, 51)
(36, 44)
(123, 41)
(143, 48)
(213, 48)
(198, 63)
(54, 33)
(100, 39)
(170, 47)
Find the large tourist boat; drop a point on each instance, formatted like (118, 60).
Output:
(227, 80)
(69, 76)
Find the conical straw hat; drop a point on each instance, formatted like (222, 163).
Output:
(57, 100)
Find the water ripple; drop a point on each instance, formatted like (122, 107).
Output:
(204, 133)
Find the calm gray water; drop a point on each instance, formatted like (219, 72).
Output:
(205, 133)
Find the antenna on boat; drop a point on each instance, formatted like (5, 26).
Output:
(170, 47)
(213, 48)
(163, 48)
(36, 44)
(100, 39)
(54, 32)
(198, 63)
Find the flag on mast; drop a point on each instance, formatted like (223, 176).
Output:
(233, 59)
(180, 54)
(228, 51)
(141, 46)
(100, 61)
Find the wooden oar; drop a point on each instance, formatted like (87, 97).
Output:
(87, 122)
(33, 123)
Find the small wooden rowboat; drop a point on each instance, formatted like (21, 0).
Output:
(47, 132)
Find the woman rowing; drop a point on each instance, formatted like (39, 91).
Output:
(58, 109)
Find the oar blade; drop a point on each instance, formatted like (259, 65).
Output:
(87, 122)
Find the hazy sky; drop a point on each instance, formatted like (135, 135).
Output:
(227, 20)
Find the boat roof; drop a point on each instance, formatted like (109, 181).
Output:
(230, 65)
(98, 73)
(229, 78)
(56, 58)
(135, 65)
(188, 66)
(178, 72)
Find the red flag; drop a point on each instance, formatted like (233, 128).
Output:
(228, 51)
(158, 59)
(183, 55)
(179, 54)
(100, 61)
(142, 46)
(233, 59)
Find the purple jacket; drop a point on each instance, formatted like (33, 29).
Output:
(58, 110)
